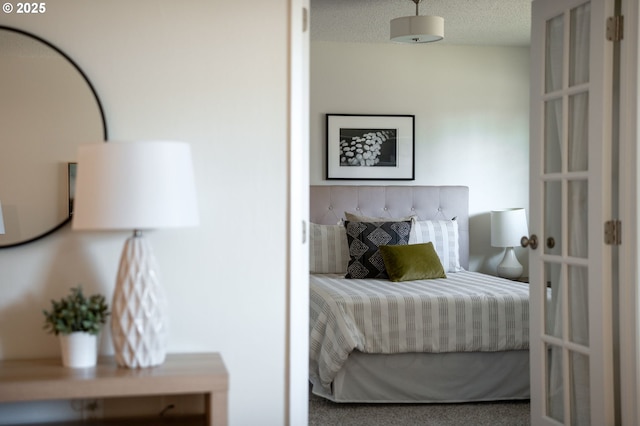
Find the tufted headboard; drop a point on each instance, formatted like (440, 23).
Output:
(328, 204)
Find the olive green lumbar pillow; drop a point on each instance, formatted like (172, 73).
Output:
(412, 262)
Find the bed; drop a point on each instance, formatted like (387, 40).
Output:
(456, 339)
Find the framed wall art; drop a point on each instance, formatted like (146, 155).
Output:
(370, 147)
(72, 169)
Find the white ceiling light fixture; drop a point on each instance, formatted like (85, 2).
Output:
(417, 29)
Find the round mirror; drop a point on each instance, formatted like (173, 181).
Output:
(47, 108)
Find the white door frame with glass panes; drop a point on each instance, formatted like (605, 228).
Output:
(571, 270)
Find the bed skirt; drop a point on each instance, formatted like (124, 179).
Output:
(431, 378)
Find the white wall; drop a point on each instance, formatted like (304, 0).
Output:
(180, 70)
(471, 107)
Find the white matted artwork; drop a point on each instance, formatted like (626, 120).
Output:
(370, 147)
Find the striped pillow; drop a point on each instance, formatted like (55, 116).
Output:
(444, 236)
(328, 249)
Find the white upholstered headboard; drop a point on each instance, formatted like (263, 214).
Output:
(328, 204)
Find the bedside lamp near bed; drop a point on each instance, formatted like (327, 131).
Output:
(507, 228)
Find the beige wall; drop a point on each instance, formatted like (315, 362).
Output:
(179, 70)
(471, 107)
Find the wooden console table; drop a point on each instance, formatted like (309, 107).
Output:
(47, 379)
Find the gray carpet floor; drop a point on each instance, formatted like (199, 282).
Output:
(505, 413)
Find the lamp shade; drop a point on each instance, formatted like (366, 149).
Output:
(417, 29)
(1, 220)
(135, 185)
(508, 226)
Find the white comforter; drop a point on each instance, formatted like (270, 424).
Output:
(466, 312)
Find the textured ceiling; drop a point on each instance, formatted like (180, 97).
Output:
(467, 22)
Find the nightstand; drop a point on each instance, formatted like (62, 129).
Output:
(526, 281)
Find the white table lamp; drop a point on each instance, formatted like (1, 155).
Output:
(508, 226)
(1, 221)
(136, 186)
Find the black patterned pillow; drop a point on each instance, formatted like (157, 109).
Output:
(365, 238)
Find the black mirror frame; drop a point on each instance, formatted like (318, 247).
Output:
(101, 110)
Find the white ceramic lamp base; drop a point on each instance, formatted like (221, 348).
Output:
(510, 267)
(138, 317)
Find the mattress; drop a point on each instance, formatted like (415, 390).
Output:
(466, 312)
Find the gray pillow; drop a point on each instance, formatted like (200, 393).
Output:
(360, 218)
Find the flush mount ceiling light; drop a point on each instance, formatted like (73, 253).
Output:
(417, 29)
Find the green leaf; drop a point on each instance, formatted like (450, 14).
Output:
(76, 313)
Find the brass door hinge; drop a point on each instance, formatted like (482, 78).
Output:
(613, 232)
(615, 28)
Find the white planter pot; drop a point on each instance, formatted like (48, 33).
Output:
(79, 349)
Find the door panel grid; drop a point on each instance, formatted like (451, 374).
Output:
(570, 123)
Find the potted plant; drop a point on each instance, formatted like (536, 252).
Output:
(77, 321)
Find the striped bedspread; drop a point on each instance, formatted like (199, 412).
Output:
(465, 312)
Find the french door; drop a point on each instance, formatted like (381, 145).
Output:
(570, 201)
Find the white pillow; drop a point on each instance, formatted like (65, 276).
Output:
(328, 249)
(444, 236)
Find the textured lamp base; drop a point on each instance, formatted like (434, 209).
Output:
(138, 326)
(510, 267)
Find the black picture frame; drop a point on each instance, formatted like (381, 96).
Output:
(72, 172)
(370, 147)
